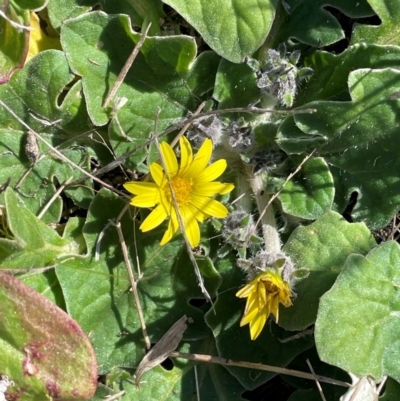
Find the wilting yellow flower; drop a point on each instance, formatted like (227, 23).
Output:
(263, 295)
(192, 183)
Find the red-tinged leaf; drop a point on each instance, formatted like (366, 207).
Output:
(14, 41)
(42, 349)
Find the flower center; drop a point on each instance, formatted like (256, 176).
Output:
(270, 287)
(182, 189)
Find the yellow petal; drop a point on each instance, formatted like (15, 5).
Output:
(227, 188)
(212, 172)
(262, 296)
(198, 214)
(157, 174)
(173, 227)
(137, 188)
(201, 159)
(186, 154)
(251, 304)
(249, 316)
(284, 298)
(147, 199)
(191, 226)
(274, 307)
(247, 289)
(213, 188)
(169, 157)
(154, 219)
(209, 206)
(257, 324)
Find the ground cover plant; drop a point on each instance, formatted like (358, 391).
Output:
(199, 200)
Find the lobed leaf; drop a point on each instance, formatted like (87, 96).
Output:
(387, 33)
(357, 139)
(331, 71)
(38, 95)
(165, 76)
(308, 21)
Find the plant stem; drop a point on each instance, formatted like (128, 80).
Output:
(268, 222)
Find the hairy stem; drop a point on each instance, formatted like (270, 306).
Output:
(268, 222)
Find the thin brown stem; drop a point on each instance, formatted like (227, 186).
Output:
(126, 67)
(258, 366)
(60, 156)
(132, 280)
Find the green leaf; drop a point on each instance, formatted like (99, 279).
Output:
(359, 139)
(310, 192)
(235, 85)
(106, 42)
(386, 33)
(61, 10)
(37, 188)
(38, 95)
(364, 305)
(165, 289)
(30, 4)
(165, 76)
(331, 71)
(46, 353)
(309, 22)
(35, 244)
(233, 28)
(322, 248)
(14, 41)
(138, 10)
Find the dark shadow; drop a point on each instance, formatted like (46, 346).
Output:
(350, 206)
(275, 389)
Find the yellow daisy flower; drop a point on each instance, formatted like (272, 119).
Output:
(263, 295)
(193, 185)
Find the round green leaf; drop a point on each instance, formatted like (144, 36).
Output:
(359, 318)
(310, 192)
(234, 29)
